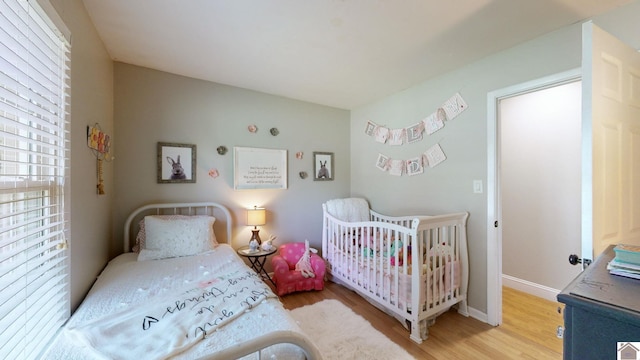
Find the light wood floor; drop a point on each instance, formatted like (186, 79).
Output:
(528, 330)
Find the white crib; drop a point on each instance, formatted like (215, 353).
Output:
(371, 258)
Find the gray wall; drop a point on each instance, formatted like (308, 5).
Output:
(153, 106)
(448, 187)
(91, 102)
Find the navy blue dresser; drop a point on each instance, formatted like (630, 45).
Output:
(600, 311)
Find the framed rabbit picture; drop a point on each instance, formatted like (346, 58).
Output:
(176, 163)
(322, 166)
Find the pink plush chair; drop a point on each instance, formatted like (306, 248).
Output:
(287, 279)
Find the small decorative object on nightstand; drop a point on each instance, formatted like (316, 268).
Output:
(267, 245)
(253, 245)
(257, 259)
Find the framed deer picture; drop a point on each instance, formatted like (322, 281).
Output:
(176, 163)
(323, 166)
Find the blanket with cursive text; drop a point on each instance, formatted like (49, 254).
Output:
(170, 324)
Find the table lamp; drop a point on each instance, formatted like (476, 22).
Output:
(256, 217)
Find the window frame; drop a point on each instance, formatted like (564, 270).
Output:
(34, 179)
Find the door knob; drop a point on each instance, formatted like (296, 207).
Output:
(575, 260)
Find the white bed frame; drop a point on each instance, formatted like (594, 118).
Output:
(356, 255)
(223, 219)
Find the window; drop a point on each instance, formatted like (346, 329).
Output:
(34, 170)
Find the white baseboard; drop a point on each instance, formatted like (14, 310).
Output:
(478, 315)
(530, 287)
(521, 285)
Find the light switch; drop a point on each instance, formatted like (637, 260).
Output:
(477, 186)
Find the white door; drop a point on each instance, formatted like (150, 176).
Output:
(611, 142)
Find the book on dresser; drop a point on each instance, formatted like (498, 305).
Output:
(626, 261)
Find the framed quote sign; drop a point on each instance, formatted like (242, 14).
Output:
(255, 168)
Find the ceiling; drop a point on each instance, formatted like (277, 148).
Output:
(340, 53)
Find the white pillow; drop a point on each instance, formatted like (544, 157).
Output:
(173, 237)
(141, 237)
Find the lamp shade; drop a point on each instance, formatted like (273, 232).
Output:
(256, 216)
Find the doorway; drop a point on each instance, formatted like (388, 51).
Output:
(539, 151)
(528, 180)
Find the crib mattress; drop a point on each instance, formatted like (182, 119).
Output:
(126, 282)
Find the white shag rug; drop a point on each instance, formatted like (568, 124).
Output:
(340, 333)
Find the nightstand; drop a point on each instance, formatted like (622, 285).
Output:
(257, 259)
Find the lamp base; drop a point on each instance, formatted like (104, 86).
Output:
(255, 236)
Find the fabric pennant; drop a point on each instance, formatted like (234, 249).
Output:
(414, 132)
(383, 162)
(371, 128)
(454, 106)
(381, 134)
(414, 166)
(396, 167)
(396, 136)
(433, 122)
(434, 155)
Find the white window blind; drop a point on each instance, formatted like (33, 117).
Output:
(34, 178)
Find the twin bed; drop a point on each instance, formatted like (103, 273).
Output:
(184, 293)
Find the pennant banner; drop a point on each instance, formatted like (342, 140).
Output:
(414, 166)
(432, 123)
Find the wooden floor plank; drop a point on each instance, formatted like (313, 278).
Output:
(527, 332)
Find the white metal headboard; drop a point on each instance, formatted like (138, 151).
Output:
(196, 208)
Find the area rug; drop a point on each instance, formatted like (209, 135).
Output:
(340, 333)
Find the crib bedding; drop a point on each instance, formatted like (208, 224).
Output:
(128, 288)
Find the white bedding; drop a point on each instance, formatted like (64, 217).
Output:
(125, 283)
